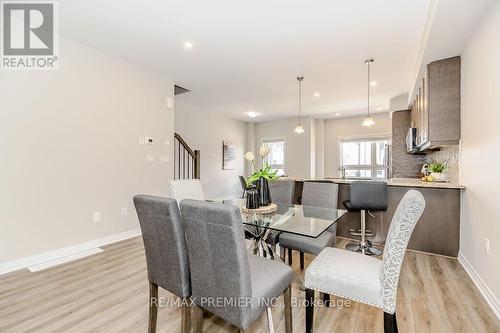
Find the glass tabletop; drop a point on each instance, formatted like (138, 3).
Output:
(301, 220)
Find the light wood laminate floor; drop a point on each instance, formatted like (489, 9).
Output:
(108, 292)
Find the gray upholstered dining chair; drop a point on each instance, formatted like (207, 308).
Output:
(244, 186)
(166, 253)
(222, 271)
(362, 278)
(314, 194)
(282, 192)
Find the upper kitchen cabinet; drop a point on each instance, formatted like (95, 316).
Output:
(435, 109)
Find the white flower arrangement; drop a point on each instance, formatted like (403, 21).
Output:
(265, 172)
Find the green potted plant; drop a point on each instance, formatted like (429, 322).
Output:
(262, 176)
(437, 171)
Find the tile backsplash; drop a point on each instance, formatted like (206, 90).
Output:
(407, 165)
(403, 165)
(450, 154)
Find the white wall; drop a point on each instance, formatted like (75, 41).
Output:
(297, 147)
(69, 146)
(480, 147)
(249, 146)
(335, 129)
(320, 148)
(205, 130)
(399, 102)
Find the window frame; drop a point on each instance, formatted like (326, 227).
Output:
(373, 167)
(272, 140)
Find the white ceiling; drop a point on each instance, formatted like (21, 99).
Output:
(247, 54)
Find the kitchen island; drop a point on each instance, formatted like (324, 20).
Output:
(438, 230)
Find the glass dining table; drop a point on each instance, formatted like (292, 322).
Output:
(305, 221)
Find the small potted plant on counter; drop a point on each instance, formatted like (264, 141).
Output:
(262, 176)
(437, 171)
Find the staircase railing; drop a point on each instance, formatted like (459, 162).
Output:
(187, 160)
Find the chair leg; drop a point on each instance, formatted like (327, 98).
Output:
(282, 253)
(287, 298)
(198, 319)
(390, 323)
(309, 310)
(270, 320)
(185, 317)
(301, 261)
(290, 257)
(326, 299)
(153, 307)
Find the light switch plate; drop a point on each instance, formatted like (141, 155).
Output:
(169, 103)
(150, 158)
(124, 211)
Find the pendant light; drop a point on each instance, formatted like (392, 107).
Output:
(368, 120)
(299, 129)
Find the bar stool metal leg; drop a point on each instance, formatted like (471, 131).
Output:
(363, 232)
(364, 246)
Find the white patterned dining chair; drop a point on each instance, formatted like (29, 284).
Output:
(362, 278)
(181, 189)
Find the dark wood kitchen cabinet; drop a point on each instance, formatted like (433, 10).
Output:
(436, 106)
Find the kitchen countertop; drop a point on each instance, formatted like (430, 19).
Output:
(403, 182)
(415, 182)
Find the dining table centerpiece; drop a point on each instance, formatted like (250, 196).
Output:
(262, 177)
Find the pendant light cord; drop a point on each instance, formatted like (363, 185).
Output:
(300, 78)
(369, 64)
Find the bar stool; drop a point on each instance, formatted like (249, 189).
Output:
(366, 196)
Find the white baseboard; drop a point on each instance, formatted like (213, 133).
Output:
(488, 295)
(69, 251)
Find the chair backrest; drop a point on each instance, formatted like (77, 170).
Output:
(403, 222)
(243, 183)
(316, 194)
(368, 195)
(165, 243)
(282, 191)
(217, 256)
(181, 189)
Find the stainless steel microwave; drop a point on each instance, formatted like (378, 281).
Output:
(411, 140)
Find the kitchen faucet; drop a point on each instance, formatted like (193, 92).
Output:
(342, 171)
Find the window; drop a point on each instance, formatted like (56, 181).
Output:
(276, 156)
(364, 158)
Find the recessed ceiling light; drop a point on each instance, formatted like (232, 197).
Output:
(379, 109)
(188, 45)
(337, 114)
(317, 94)
(373, 83)
(252, 114)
